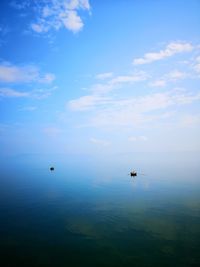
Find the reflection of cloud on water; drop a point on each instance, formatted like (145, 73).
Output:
(120, 235)
(83, 226)
(162, 223)
(113, 242)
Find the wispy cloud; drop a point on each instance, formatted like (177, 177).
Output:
(28, 108)
(37, 93)
(52, 131)
(99, 91)
(104, 76)
(176, 75)
(196, 65)
(10, 73)
(158, 83)
(138, 138)
(87, 102)
(172, 76)
(190, 120)
(170, 50)
(117, 100)
(136, 111)
(47, 78)
(118, 81)
(8, 92)
(100, 142)
(135, 77)
(4, 30)
(42, 92)
(57, 14)
(20, 5)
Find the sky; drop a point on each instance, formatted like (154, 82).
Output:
(99, 76)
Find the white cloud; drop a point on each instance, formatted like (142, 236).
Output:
(46, 11)
(37, 93)
(28, 108)
(14, 74)
(87, 102)
(190, 120)
(103, 76)
(182, 99)
(100, 142)
(138, 138)
(52, 131)
(102, 88)
(76, 4)
(138, 76)
(98, 98)
(118, 81)
(136, 111)
(55, 14)
(197, 65)
(127, 107)
(176, 75)
(47, 78)
(158, 83)
(172, 76)
(198, 59)
(71, 21)
(136, 105)
(10, 73)
(8, 92)
(132, 138)
(39, 28)
(42, 93)
(170, 50)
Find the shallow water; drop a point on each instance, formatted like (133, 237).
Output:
(89, 212)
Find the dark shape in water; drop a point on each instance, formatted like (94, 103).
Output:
(52, 169)
(133, 173)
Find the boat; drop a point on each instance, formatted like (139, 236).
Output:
(133, 173)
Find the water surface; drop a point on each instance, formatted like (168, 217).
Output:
(89, 212)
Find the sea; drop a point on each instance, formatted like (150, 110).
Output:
(90, 212)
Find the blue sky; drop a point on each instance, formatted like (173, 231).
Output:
(80, 76)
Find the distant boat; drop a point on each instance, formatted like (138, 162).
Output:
(52, 169)
(133, 173)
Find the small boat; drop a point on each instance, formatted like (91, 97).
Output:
(52, 169)
(133, 173)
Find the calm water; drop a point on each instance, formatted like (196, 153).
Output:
(89, 212)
